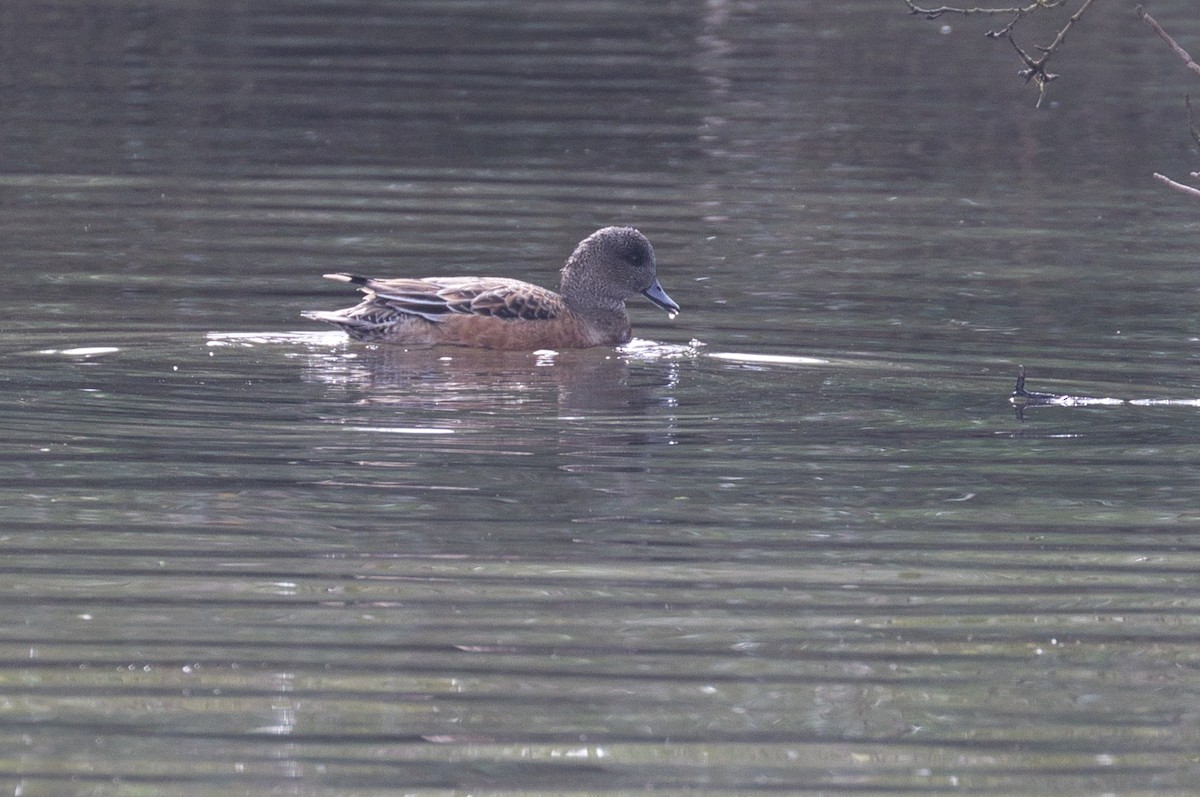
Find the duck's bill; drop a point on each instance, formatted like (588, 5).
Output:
(656, 294)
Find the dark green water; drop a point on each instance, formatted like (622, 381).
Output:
(795, 540)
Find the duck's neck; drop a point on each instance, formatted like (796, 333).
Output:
(584, 298)
(606, 327)
(605, 320)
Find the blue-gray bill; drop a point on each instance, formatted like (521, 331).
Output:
(656, 294)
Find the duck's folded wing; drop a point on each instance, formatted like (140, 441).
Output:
(413, 296)
(510, 300)
(437, 298)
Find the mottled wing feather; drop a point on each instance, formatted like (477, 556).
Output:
(515, 303)
(437, 298)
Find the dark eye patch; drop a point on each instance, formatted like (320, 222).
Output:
(635, 256)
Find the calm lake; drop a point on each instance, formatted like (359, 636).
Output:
(796, 540)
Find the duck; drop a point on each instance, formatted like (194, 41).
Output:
(608, 267)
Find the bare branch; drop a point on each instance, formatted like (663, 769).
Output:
(1035, 68)
(934, 13)
(1187, 100)
(1185, 189)
(1035, 72)
(1002, 33)
(1062, 34)
(1162, 34)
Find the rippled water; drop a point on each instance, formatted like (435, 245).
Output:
(795, 540)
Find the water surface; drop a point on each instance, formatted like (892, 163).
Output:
(795, 540)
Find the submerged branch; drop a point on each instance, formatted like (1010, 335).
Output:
(1021, 399)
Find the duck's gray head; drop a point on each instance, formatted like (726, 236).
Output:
(611, 265)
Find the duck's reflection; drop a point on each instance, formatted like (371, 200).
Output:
(444, 379)
(460, 429)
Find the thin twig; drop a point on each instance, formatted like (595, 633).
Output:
(1185, 189)
(1036, 68)
(1187, 102)
(934, 13)
(1062, 34)
(1162, 34)
(1002, 33)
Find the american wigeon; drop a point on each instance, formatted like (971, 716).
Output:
(607, 267)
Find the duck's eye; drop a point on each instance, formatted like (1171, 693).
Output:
(636, 257)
